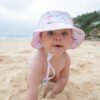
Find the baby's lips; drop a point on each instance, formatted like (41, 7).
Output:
(58, 45)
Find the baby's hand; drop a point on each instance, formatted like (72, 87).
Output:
(50, 95)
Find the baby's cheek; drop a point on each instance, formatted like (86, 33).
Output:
(68, 44)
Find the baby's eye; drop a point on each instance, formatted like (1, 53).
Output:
(50, 32)
(64, 33)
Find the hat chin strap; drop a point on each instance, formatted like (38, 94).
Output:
(47, 78)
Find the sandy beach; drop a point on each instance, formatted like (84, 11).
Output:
(84, 80)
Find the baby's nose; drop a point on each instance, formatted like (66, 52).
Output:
(58, 37)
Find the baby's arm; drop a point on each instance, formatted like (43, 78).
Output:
(33, 80)
(63, 78)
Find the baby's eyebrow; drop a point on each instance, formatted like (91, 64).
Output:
(50, 31)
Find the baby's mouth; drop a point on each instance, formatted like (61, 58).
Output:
(58, 45)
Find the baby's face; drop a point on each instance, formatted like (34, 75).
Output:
(57, 41)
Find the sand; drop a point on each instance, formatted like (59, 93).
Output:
(84, 80)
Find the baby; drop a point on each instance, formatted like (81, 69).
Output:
(51, 62)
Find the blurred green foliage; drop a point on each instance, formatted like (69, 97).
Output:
(88, 22)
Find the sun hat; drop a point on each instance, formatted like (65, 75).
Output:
(54, 20)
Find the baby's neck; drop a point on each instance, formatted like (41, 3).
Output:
(58, 56)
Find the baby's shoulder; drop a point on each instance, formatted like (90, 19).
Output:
(36, 66)
(67, 57)
(37, 60)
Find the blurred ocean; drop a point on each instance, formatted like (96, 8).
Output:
(15, 37)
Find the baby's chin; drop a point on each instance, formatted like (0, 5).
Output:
(57, 51)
